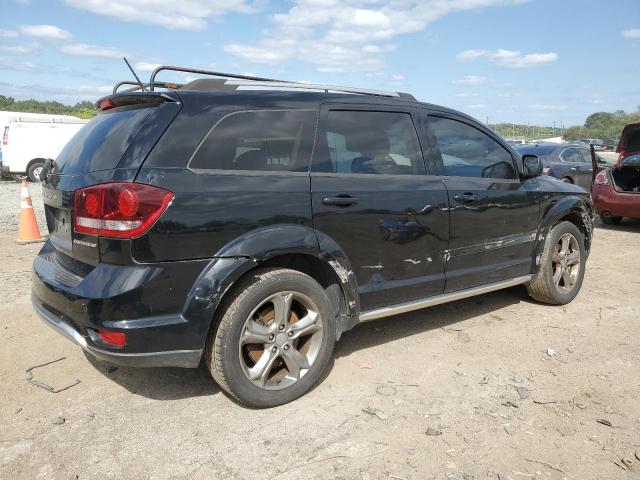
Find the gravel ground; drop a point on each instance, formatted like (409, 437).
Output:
(493, 387)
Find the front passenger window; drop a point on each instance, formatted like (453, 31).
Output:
(469, 152)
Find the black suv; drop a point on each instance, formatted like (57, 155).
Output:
(254, 227)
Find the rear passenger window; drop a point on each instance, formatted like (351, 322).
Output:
(372, 143)
(266, 140)
(468, 152)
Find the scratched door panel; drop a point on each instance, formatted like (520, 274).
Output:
(394, 237)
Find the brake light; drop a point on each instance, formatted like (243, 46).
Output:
(117, 339)
(119, 210)
(105, 104)
(602, 178)
(545, 170)
(5, 136)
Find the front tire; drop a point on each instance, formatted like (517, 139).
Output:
(274, 339)
(562, 266)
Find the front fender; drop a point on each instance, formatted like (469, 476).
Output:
(556, 207)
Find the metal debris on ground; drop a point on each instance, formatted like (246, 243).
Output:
(432, 432)
(551, 352)
(375, 412)
(43, 385)
(604, 421)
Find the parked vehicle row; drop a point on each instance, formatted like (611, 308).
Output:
(616, 190)
(568, 162)
(253, 228)
(28, 140)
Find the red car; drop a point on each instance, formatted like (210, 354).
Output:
(616, 190)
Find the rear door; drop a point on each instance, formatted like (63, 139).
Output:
(372, 196)
(493, 215)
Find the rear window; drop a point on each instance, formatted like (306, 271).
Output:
(101, 143)
(262, 140)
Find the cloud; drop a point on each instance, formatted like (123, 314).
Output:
(349, 35)
(472, 81)
(145, 66)
(171, 14)
(49, 32)
(64, 94)
(509, 58)
(550, 107)
(82, 49)
(20, 49)
(633, 33)
(465, 95)
(8, 33)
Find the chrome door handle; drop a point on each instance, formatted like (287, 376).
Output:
(340, 201)
(465, 197)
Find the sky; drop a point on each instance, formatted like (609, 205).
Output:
(521, 61)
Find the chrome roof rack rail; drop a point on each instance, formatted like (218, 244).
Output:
(233, 79)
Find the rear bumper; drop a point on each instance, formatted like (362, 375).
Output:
(608, 200)
(145, 302)
(174, 358)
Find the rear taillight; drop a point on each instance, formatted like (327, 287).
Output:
(119, 210)
(602, 178)
(545, 170)
(117, 339)
(5, 136)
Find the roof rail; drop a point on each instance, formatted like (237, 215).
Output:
(250, 81)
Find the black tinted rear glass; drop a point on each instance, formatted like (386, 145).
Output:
(263, 140)
(101, 143)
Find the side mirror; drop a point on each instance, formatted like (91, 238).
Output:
(601, 161)
(531, 166)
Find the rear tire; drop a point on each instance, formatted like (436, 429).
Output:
(566, 180)
(610, 220)
(562, 266)
(258, 354)
(34, 172)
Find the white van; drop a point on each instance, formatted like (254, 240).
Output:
(28, 141)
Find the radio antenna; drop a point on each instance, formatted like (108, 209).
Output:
(134, 73)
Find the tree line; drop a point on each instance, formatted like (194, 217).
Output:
(603, 125)
(83, 109)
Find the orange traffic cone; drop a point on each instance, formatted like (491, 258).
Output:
(28, 231)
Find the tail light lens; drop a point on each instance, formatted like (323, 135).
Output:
(602, 178)
(545, 170)
(5, 136)
(117, 339)
(119, 210)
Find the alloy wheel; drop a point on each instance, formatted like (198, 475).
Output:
(566, 262)
(280, 340)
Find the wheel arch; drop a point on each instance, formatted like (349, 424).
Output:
(572, 209)
(297, 247)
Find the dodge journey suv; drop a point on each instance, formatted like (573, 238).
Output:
(250, 228)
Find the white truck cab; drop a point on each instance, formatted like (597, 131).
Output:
(28, 140)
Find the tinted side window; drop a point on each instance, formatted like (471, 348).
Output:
(586, 155)
(372, 143)
(571, 155)
(268, 140)
(468, 152)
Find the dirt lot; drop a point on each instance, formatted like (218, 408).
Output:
(494, 387)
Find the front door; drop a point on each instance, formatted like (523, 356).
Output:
(493, 215)
(372, 196)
